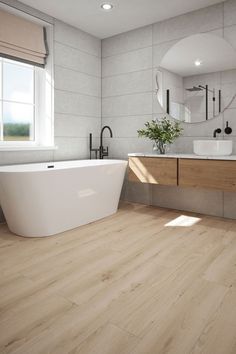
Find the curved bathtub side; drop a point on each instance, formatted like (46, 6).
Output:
(44, 203)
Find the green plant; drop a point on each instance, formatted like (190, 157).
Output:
(162, 132)
(16, 129)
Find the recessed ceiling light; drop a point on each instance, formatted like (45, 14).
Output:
(107, 6)
(198, 62)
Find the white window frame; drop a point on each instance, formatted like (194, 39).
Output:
(44, 102)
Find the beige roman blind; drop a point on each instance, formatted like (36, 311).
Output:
(21, 39)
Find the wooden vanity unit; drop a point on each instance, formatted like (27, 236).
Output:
(184, 172)
(153, 170)
(216, 174)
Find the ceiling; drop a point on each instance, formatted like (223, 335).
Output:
(126, 14)
(214, 52)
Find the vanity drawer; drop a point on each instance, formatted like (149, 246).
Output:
(216, 174)
(153, 170)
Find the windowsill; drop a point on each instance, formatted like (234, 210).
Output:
(27, 148)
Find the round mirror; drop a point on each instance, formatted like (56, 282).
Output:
(196, 79)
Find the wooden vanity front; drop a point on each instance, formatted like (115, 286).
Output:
(216, 174)
(153, 170)
(184, 172)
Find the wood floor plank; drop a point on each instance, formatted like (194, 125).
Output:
(223, 269)
(182, 325)
(145, 280)
(149, 306)
(214, 339)
(108, 339)
(28, 322)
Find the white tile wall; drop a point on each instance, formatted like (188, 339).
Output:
(203, 201)
(202, 20)
(77, 60)
(230, 35)
(77, 91)
(77, 82)
(126, 126)
(67, 125)
(183, 144)
(229, 204)
(126, 105)
(119, 147)
(72, 37)
(20, 157)
(230, 116)
(139, 81)
(199, 129)
(139, 193)
(125, 42)
(126, 91)
(77, 104)
(229, 12)
(71, 148)
(136, 60)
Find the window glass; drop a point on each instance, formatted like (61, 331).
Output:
(18, 121)
(17, 101)
(18, 83)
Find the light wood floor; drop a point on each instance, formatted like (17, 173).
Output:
(144, 281)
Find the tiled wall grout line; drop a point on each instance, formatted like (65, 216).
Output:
(79, 50)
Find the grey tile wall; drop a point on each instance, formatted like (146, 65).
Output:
(129, 83)
(74, 59)
(80, 40)
(125, 42)
(129, 63)
(127, 89)
(77, 91)
(203, 20)
(229, 12)
(135, 60)
(203, 201)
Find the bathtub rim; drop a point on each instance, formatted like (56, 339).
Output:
(43, 166)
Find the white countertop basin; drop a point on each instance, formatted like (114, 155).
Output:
(213, 147)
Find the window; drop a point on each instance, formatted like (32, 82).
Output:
(25, 101)
(26, 82)
(17, 101)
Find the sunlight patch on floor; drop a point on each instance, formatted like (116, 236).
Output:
(183, 221)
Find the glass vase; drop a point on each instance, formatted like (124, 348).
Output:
(159, 147)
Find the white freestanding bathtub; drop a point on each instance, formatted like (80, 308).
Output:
(48, 198)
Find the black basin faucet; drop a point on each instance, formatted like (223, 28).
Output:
(104, 152)
(216, 131)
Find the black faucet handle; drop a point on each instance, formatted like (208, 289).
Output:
(228, 130)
